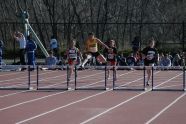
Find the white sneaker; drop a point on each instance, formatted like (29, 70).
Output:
(147, 83)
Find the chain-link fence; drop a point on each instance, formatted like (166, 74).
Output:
(169, 36)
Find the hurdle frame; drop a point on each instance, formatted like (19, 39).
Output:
(52, 88)
(92, 88)
(19, 88)
(129, 89)
(164, 89)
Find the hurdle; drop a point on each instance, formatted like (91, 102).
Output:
(91, 85)
(174, 83)
(52, 82)
(124, 81)
(15, 83)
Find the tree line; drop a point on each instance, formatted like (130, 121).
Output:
(120, 20)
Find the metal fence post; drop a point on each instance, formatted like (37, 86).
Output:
(152, 78)
(37, 77)
(29, 77)
(75, 77)
(184, 78)
(144, 77)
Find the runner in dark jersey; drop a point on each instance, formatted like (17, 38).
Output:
(150, 56)
(111, 56)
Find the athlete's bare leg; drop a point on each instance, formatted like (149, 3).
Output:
(149, 73)
(86, 60)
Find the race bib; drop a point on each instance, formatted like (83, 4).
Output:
(150, 57)
(72, 51)
(72, 56)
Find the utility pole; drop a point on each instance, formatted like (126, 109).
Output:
(28, 29)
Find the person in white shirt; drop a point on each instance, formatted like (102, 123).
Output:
(54, 46)
(22, 46)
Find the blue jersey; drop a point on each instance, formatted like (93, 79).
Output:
(31, 46)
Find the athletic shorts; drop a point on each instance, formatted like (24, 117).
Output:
(148, 64)
(96, 54)
(111, 62)
(72, 61)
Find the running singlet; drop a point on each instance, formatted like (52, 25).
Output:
(92, 46)
(111, 56)
(72, 53)
(151, 54)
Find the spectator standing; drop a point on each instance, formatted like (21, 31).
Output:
(22, 46)
(136, 45)
(30, 48)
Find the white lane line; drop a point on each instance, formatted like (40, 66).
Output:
(166, 108)
(120, 104)
(11, 94)
(53, 110)
(101, 81)
(116, 106)
(33, 100)
(13, 73)
(22, 77)
(44, 79)
(180, 86)
(31, 82)
(61, 107)
(42, 87)
(29, 101)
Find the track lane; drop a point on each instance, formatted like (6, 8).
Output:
(138, 110)
(172, 114)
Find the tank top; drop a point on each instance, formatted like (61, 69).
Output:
(72, 53)
(92, 45)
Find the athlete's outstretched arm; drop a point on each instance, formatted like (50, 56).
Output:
(101, 43)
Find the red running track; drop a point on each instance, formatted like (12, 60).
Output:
(100, 107)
